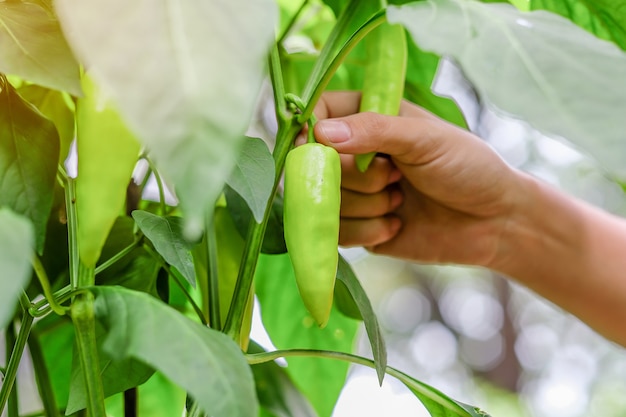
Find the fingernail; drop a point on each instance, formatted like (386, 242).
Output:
(334, 130)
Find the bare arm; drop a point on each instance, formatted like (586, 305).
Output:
(444, 196)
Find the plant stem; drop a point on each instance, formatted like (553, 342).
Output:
(195, 411)
(278, 88)
(42, 377)
(10, 339)
(215, 321)
(14, 360)
(315, 87)
(159, 182)
(115, 258)
(292, 22)
(83, 317)
(72, 231)
(40, 272)
(250, 256)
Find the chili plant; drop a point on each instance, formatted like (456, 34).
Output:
(132, 305)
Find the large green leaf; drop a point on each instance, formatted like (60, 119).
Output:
(346, 275)
(604, 18)
(57, 107)
(29, 154)
(206, 363)
(536, 66)
(253, 176)
(33, 47)
(186, 83)
(277, 393)
(16, 250)
(166, 234)
(291, 326)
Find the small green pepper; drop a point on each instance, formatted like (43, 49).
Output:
(385, 71)
(311, 218)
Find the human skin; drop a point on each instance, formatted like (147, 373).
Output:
(443, 196)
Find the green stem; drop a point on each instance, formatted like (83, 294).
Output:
(215, 321)
(41, 308)
(292, 22)
(10, 339)
(72, 231)
(195, 410)
(40, 272)
(44, 386)
(278, 84)
(83, 317)
(317, 84)
(250, 256)
(178, 279)
(14, 360)
(115, 258)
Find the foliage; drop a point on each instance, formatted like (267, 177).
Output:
(174, 86)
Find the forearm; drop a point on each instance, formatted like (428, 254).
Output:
(571, 253)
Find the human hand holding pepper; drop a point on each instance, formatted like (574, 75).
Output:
(442, 196)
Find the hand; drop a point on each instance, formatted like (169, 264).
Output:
(442, 196)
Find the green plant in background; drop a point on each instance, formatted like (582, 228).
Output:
(151, 302)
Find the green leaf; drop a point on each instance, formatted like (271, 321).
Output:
(16, 250)
(253, 177)
(33, 47)
(274, 239)
(29, 154)
(604, 18)
(420, 74)
(532, 65)
(290, 326)
(346, 275)
(276, 391)
(344, 301)
(204, 362)
(117, 375)
(57, 107)
(166, 234)
(197, 68)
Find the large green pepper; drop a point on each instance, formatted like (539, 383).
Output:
(311, 217)
(385, 71)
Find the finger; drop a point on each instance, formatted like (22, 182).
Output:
(357, 205)
(368, 232)
(379, 175)
(337, 104)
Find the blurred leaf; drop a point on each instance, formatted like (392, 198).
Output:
(117, 375)
(274, 239)
(197, 68)
(420, 74)
(56, 106)
(276, 391)
(604, 18)
(203, 361)
(29, 154)
(45, 60)
(534, 65)
(290, 326)
(166, 234)
(16, 251)
(346, 275)
(253, 176)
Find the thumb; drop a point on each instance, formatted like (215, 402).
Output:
(402, 137)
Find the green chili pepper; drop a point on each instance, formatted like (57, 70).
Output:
(311, 218)
(107, 154)
(385, 71)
